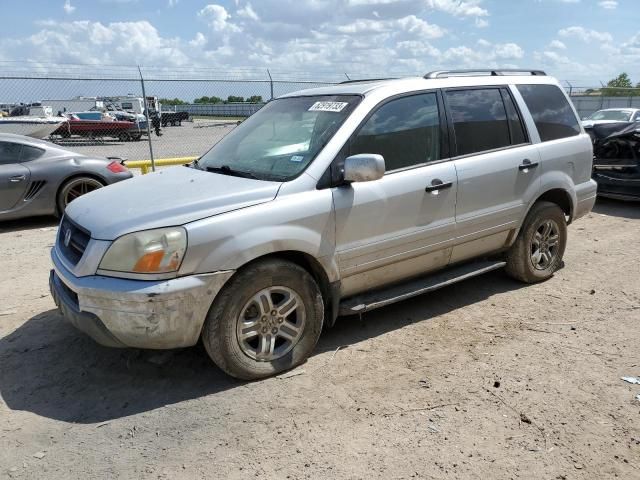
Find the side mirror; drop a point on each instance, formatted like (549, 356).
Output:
(364, 167)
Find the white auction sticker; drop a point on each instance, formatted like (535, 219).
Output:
(328, 106)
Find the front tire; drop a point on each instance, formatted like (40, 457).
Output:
(537, 252)
(266, 320)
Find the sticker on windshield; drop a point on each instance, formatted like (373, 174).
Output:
(297, 158)
(328, 106)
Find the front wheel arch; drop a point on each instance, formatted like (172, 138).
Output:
(328, 289)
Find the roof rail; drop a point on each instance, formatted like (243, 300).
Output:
(494, 72)
(364, 80)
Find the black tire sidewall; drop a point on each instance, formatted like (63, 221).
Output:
(220, 335)
(542, 213)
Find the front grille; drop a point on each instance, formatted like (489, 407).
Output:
(78, 240)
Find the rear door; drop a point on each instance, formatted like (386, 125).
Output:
(496, 165)
(403, 224)
(14, 177)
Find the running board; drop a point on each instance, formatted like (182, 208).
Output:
(380, 298)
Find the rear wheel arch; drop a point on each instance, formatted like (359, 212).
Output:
(560, 197)
(71, 177)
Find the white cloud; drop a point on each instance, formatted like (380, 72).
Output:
(417, 26)
(67, 7)
(217, 18)
(172, 3)
(199, 41)
(558, 45)
(585, 34)
(481, 23)
(469, 8)
(87, 42)
(248, 12)
(609, 4)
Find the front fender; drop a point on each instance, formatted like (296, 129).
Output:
(301, 222)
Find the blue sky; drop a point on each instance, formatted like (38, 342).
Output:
(583, 41)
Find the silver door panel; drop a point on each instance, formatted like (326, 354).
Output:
(14, 179)
(493, 195)
(391, 228)
(395, 272)
(489, 243)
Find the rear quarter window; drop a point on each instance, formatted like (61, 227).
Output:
(551, 112)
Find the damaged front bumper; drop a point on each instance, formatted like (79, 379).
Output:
(119, 312)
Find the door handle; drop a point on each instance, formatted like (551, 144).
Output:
(438, 184)
(527, 164)
(18, 178)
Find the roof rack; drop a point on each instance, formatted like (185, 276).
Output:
(494, 72)
(364, 80)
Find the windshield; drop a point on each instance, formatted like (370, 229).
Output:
(617, 115)
(280, 140)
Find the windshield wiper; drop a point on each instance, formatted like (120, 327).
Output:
(227, 170)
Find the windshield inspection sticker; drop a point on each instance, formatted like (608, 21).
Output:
(297, 158)
(328, 106)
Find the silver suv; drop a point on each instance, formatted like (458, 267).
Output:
(327, 202)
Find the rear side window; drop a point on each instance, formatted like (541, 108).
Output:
(479, 120)
(551, 111)
(405, 131)
(30, 153)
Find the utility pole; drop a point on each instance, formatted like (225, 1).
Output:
(146, 112)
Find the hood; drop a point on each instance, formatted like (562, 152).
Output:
(174, 196)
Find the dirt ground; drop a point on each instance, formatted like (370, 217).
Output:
(487, 379)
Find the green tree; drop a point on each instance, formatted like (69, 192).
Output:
(206, 99)
(172, 101)
(621, 86)
(255, 99)
(234, 99)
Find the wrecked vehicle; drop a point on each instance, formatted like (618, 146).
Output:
(611, 115)
(326, 202)
(616, 166)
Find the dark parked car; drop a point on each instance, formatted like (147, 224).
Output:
(616, 167)
(41, 178)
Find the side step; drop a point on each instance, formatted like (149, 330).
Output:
(379, 298)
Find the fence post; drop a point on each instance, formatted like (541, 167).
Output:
(146, 113)
(270, 82)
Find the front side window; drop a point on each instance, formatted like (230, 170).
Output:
(281, 139)
(405, 131)
(551, 112)
(479, 120)
(9, 153)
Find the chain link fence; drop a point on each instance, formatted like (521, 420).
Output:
(180, 115)
(107, 113)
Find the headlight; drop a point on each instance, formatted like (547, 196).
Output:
(150, 251)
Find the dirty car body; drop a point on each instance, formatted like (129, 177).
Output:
(320, 203)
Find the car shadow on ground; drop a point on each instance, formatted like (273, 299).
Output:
(617, 208)
(52, 370)
(27, 224)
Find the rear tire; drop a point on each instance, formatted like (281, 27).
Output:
(537, 252)
(266, 320)
(74, 188)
